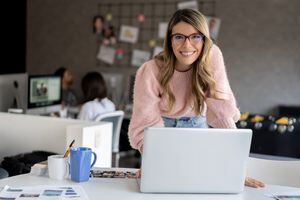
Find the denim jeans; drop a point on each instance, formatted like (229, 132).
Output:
(186, 122)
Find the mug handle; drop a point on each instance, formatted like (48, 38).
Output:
(95, 159)
(67, 168)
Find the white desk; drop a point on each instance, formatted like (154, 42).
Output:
(115, 189)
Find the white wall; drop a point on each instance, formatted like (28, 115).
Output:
(261, 44)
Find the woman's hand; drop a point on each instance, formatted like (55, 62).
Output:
(138, 173)
(141, 149)
(253, 183)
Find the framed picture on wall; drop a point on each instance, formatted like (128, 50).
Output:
(188, 4)
(106, 54)
(162, 29)
(129, 34)
(214, 24)
(139, 57)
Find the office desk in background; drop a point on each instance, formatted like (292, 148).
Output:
(127, 189)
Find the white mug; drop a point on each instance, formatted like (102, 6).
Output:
(58, 167)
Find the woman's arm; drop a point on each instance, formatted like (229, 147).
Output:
(146, 112)
(222, 111)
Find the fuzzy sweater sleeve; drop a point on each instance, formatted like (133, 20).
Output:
(146, 112)
(222, 111)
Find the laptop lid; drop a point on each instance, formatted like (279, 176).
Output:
(190, 160)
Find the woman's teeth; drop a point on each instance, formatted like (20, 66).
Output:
(187, 53)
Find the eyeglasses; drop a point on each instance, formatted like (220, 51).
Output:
(180, 39)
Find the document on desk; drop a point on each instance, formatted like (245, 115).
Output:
(49, 192)
(284, 196)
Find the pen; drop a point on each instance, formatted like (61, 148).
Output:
(68, 150)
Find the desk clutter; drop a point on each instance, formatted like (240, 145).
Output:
(96, 173)
(22, 163)
(42, 170)
(273, 135)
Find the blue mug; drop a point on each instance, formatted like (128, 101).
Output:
(80, 163)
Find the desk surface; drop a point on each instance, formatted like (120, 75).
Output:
(115, 188)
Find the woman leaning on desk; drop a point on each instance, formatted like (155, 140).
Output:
(185, 85)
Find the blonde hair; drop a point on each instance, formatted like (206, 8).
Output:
(202, 80)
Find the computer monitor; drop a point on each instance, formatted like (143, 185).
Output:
(13, 91)
(43, 91)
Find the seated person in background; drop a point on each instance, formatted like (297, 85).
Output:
(3, 173)
(68, 96)
(95, 97)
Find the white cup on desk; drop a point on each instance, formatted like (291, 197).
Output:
(58, 167)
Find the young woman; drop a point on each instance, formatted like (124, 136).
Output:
(184, 86)
(95, 97)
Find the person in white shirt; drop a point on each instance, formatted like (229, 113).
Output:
(95, 97)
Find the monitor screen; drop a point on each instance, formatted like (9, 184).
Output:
(44, 90)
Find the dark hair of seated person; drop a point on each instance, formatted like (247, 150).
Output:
(93, 86)
(60, 72)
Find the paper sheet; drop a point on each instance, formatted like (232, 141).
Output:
(106, 54)
(43, 192)
(188, 4)
(162, 29)
(214, 24)
(285, 197)
(129, 34)
(139, 57)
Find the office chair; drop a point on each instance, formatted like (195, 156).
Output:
(277, 172)
(116, 118)
(3, 173)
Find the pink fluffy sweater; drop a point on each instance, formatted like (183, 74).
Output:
(149, 106)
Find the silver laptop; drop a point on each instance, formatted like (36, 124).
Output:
(190, 160)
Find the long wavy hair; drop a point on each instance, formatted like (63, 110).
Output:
(202, 80)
